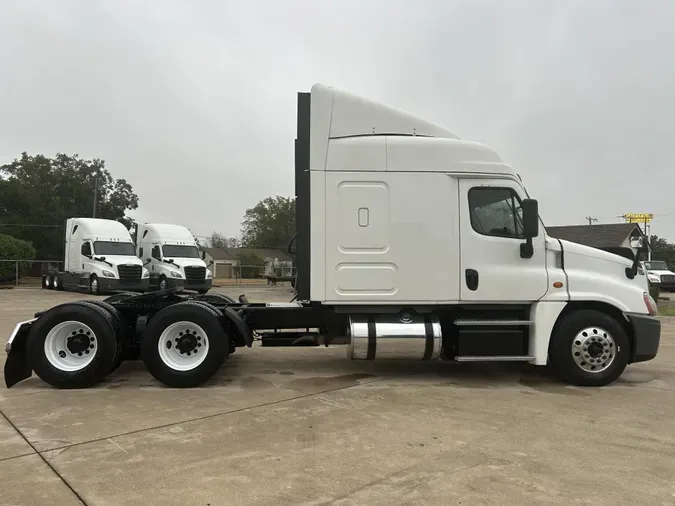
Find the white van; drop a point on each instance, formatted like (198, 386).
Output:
(171, 255)
(99, 258)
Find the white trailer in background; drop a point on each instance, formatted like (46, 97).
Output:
(172, 256)
(99, 258)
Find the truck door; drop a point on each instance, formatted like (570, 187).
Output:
(491, 266)
(85, 262)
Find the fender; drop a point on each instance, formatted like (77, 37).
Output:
(17, 367)
(240, 325)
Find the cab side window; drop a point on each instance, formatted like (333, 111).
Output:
(155, 253)
(86, 249)
(496, 212)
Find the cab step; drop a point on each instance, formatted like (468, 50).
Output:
(493, 358)
(493, 323)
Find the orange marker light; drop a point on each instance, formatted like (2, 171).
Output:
(557, 284)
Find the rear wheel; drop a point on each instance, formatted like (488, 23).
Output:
(184, 344)
(72, 345)
(589, 348)
(57, 283)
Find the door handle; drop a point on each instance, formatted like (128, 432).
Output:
(471, 279)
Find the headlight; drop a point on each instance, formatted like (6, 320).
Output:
(209, 274)
(653, 278)
(146, 273)
(175, 274)
(108, 274)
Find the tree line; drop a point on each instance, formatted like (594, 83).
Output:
(38, 194)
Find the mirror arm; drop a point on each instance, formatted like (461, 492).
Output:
(527, 249)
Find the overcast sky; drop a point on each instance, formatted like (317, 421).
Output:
(193, 102)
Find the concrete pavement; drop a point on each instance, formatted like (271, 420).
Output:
(305, 426)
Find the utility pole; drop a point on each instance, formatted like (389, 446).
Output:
(93, 214)
(591, 220)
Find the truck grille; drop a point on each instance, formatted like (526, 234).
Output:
(667, 278)
(194, 275)
(129, 273)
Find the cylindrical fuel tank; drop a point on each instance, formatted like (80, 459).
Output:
(396, 336)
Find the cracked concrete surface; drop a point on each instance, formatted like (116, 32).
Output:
(305, 426)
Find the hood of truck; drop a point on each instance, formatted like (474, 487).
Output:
(594, 274)
(123, 260)
(186, 262)
(660, 272)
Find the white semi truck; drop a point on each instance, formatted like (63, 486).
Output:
(99, 257)
(410, 243)
(172, 256)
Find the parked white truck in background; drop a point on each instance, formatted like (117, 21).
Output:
(659, 274)
(410, 243)
(172, 256)
(99, 257)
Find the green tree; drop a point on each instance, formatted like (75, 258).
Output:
(12, 248)
(250, 265)
(270, 224)
(220, 241)
(43, 192)
(662, 250)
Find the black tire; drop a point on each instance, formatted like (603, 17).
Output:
(94, 285)
(119, 323)
(201, 314)
(562, 354)
(98, 320)
(50, 281)
(162, 278)
(57, 282)
(44, 281)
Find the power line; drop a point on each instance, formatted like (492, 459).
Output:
(27, 225)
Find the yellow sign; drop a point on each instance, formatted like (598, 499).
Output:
(638, 217)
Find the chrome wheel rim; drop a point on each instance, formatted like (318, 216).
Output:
(594, 349)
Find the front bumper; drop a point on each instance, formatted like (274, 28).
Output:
(113, 285)
(203, 285)
(646, 336)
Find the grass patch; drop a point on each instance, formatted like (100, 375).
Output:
(666, 309)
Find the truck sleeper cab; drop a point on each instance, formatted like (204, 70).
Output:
(99, 258)
(410, 243)
(171, 255)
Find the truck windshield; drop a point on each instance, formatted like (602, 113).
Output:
(114, 248)
(656, 266)
(176, 251)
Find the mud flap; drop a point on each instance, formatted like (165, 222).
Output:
(17, 367)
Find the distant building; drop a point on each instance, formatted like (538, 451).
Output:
(225, 264)
(612, 237)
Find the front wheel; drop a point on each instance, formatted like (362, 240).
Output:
(162, 283)
(94, 287)
(589, 348)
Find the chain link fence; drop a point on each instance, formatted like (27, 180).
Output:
(28, 274)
